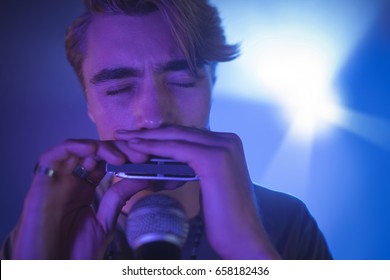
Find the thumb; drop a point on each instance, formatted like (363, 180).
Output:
(115, 198)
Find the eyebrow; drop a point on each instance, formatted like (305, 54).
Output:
(173, 65)
(179, 65)
(126, 72)
(115, 74)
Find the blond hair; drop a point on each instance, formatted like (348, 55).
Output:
(195, 25)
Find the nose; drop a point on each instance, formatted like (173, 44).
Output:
(155, 107)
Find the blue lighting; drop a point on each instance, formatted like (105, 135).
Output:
(309, 96)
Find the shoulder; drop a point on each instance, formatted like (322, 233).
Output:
(277, 203)
(281, 212)
(290, 226)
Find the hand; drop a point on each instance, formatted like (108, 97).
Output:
(58, 221)
(233, 225)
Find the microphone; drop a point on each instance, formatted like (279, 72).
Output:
(157, 228)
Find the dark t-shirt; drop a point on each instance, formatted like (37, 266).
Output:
(290, 227)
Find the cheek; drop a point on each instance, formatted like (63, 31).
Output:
(204, 112)
(195, 115)
(200, 109)
(107, 119)
(193, 109)
(105, 128)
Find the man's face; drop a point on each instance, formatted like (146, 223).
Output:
(136, 77)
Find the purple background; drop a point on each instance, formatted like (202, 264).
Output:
(348, 181)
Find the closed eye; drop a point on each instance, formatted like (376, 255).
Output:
(183, 84)
(125, 89)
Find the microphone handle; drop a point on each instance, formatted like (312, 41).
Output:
(158, 250)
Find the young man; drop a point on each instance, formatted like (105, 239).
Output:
(148, 69)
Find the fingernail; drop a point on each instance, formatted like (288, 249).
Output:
(134, 140)
(121, 131)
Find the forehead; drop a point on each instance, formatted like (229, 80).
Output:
(119, 40)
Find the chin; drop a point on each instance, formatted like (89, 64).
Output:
(164, 185)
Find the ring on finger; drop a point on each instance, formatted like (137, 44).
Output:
(82, 173)
(43, 170)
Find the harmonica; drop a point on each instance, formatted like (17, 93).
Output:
(154, 169)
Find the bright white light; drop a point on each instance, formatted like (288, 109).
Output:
(297, 75)
(313, 114)
(291, 53)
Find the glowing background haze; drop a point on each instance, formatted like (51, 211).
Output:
(309, 97)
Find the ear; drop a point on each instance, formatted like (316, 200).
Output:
(90, 115)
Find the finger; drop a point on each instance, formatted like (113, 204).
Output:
(89, 163)
(96, 166)
(210, 163)
(63, 160)
(115, 198)
(105, 150)
(95, 170)
(68, 149)
(131, 154)
(110, 152)
(189, 134)
(194, 154)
